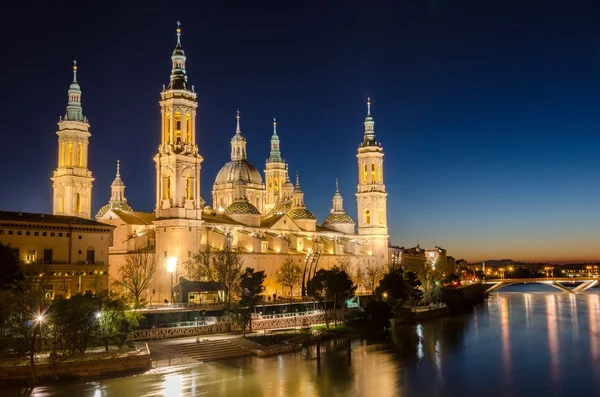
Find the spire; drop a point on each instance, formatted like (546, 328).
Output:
(275, 155)
(117, 190)
(238, 142)
(369, 138)
(298, 195)
(74, 110)
(337, 201)
(178, 79)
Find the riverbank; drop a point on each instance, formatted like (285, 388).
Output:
(93, 363)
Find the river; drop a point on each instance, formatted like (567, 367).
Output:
(516, 344)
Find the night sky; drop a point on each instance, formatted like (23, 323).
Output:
(488, 111)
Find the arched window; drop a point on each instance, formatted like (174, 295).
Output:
(367, 217)
(167, 138)
(380, 178)
(373, 179)
(188, 128)
(188, 188)
(167, 187)
(365, 174)
(70, 158)
(79, 155)
(61, 160)
(77, 203)
(269, 186)
(276, 184)
(178, 127)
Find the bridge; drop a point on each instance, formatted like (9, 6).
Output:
(585, 283)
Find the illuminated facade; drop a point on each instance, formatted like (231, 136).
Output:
(66, 254)
(72, 180)
(268, 219)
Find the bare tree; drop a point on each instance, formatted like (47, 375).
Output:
(373, 274)
(288, 274)
(137, 273)
(227, 266)
(199, 266)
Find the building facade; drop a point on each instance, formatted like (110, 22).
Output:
(68, 254)
(267, 219)
(72, 180)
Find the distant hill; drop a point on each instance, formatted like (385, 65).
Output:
(496, 262)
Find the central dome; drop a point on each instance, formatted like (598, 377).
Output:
(232, 170)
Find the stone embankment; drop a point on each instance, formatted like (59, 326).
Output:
(94, 364)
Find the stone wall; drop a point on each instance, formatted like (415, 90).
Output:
(132, 361)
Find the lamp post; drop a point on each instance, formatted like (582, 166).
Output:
(171, 265)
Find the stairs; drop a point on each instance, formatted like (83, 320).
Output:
(211, 350)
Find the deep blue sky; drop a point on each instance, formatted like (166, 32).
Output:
(488, 111)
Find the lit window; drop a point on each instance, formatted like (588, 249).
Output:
(177, 127)
(365, 174)
(276, 184)
(167, 137)
(188, 128)
(79, 155)
(78, 203)
(62, 155)
(70, 163)
(167, 187)
(373, 173)
(188, 188)
(367, 217)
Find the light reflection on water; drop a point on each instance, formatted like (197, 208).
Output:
(515, 345)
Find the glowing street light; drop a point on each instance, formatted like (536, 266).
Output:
(171, 266)
(98, 314)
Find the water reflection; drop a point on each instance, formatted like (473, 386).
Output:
(505, 329)
(552, 335)
(508, 347)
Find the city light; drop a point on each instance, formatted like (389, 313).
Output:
(98, 315)
(171, 264)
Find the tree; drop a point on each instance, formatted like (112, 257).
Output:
(227, 265)
(288, 274)
(252, 286)
(199, 266)
(10, 271)
(373, 274)
(430, 277)
(137, 273)
(114, 322)
(334, 285)
(415, 290)
(379, 314)
(392, 289)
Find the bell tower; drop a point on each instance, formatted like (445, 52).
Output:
(371, 196)
(275, 173)
(177, 161)
(72, 180)
(178, 202)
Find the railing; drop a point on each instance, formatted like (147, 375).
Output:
(190, 306)
(195, 323)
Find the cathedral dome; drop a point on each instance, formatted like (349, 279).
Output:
(338, 218)
(233, 169)
(241, 207)
(300, 213)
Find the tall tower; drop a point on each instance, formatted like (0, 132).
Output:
(72, 180)
(178, 202)
(177, 161)
(371, 196)
(275, 172)
(338, 219)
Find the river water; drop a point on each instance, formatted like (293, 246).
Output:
(516, 344)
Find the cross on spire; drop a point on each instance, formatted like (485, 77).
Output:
(118, 168)
(369, 106)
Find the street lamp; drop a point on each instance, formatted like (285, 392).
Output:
(171, 265)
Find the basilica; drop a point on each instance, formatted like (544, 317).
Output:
(263, 214)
